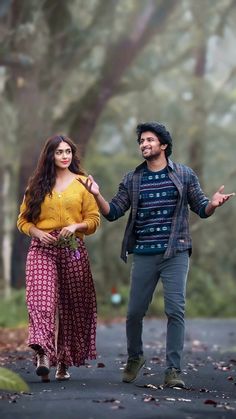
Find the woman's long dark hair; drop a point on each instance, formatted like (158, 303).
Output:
(43, 179)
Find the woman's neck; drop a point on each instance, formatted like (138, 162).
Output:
(62, 174)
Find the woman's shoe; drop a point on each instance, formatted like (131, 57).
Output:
(62, 373)
(45, 378)
(43, 365)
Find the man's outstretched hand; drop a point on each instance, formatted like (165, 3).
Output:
(90, 185)
(219, 198)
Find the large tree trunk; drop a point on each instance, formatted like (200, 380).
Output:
(8, 210)
(28, 83)
(198, 122)
(8, 188)
(85, 113)
(88, 109)
(199, 114)
(35, 134)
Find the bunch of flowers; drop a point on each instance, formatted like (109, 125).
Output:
(70, 244)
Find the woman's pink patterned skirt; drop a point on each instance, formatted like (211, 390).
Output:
(61, 303)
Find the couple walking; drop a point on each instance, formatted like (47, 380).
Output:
(61, 205)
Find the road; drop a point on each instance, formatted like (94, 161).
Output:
(95, 391)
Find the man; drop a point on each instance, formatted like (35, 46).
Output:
(159, 193)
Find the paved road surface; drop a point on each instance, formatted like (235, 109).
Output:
(95, 391)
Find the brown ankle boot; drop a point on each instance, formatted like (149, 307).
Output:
(62, 373)
(43, 365)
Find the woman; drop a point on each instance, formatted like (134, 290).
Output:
(57, 211)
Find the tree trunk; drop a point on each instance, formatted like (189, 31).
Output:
(8, 225)
(85, 113)
(26, 89)
(198, 122)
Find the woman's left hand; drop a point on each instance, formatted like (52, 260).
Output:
(68, 230)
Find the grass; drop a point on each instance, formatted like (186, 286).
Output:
(13, 312)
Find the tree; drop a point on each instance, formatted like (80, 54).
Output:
(94, 69)
(45, 45)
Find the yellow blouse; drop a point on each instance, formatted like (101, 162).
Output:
(74, 205)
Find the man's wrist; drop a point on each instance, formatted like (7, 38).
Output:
(210, 209)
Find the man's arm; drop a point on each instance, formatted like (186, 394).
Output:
(217, 200)
(93, 188)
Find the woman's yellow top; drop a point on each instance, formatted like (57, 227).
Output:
(74, 205)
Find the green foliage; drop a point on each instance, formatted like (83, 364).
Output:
(205, 298)
(10, 381)
(13, 309)
(69, 242)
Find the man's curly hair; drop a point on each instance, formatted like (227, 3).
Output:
(160, 131)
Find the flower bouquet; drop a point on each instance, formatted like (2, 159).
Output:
(70, 243)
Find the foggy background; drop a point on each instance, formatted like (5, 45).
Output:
(94, 69)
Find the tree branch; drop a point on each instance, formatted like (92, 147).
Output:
(150, 21)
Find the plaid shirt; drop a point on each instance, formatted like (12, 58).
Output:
(190, 195)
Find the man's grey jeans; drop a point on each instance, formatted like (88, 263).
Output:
(145, 274)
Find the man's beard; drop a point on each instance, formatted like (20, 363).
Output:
(151, 157)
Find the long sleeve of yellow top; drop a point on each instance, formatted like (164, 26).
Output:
(74, 205)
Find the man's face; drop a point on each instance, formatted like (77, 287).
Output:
(150, 146)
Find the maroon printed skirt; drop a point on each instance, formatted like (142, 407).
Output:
(61, 303)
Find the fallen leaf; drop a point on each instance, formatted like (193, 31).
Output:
(155, 360)
(100, 365)
(117, 407)
(184, 400)
(106, 401)
(209, 401)
(148, 399)
(147, 386)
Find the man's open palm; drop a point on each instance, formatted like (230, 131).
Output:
(219, 198)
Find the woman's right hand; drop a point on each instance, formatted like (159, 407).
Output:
(90, 185)
(44, 237)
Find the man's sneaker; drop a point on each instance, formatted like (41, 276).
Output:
(43, 364)
(62, 373)
(132, 368)
(172, 378)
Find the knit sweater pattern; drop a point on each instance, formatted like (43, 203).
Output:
(60, 209)
(156, 206)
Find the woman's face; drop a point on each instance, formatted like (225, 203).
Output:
(63, 156)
